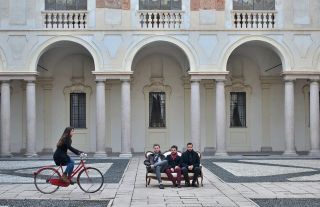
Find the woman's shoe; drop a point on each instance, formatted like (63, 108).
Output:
(65, 179)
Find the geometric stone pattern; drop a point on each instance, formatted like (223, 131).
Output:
(130, 189)
(52, 203)
(21, 171)
(267, 170)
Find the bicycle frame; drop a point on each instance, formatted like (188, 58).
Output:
(75, 171)
(59, 171)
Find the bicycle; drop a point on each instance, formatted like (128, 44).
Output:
(48, 179)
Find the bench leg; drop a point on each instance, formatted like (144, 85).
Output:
(146, 180)
(149, 181)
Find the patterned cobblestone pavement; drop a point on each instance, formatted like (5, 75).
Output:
(231, 181)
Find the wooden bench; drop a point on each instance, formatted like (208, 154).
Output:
(152, 175)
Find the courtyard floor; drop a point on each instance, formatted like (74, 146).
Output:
(230, 181)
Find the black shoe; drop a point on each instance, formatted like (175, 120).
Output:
(161, 186)
(72, 182)
(178, 185)
(194, 184)
(187, 184)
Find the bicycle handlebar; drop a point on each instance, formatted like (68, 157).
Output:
(83, 156)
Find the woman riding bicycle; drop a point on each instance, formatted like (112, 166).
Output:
(60, 155)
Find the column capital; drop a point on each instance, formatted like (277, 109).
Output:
(109, 75)
(294, 75)
(201, 75)
(100, 81)
(128, 80)
(5, 81)
(316, 79)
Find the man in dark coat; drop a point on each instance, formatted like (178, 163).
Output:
(174, 161)
(190, 162)
(156, 162)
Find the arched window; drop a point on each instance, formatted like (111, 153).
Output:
(66, 5)
(160, 4)
(253, 4)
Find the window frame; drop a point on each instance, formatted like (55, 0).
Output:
(162, 122)
(242, 109)
(67, 7)
(77, 119)
(160, 5)
(264, 8)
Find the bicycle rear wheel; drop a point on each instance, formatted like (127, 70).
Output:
(42, 180)
(90, 180)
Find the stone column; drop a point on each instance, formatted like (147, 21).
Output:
(5, 119)
(31, 119)
(100, 118)
(125, 119)
(314, 117)
(266, 141)
(47, 89)
(289, 117)
(195, 114)
(220, 118)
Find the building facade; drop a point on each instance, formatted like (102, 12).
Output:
(227, 75)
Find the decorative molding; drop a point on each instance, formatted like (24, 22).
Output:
(208, 75)
(238, 85)
(21, 75)
(294, 75)
(111, 75)
(157, 85)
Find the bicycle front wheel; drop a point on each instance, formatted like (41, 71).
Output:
(90, 180)
(43, 178)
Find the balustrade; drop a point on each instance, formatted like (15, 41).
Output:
(254, 19)
(157, 19)
(64, 19)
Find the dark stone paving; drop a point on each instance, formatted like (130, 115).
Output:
(231, 178)
(291, 202)
(53, 203)
(112, 175)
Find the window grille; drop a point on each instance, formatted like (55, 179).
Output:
(65, 4)
(160, 4)
(157, 110)
(237, 109)
(78, 110)
(253, 4)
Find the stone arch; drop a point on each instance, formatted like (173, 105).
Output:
(279, 49)
(37, 52)
(133, 51)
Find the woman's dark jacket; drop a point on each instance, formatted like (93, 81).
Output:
(60, 156)
(172, 163)
(190, 158)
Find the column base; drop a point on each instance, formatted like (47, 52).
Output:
(6, 155)
(314, 153)
(289, 153)
(125, 155)
(31, 155)
(100, 155)
(221, 154)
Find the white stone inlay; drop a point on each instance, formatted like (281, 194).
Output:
(256, 170)
(306, 178)
(293, 163)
